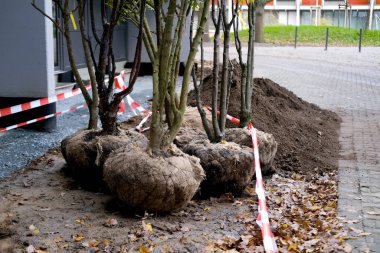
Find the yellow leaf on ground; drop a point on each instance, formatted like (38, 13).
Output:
(106, 241)
(34, 230)
(93, 243)
(78, 237)
(79, 221)
(314, 208)
(41, 251)
(166, 248)
(293, 248)
(147, 226)
(143, 249)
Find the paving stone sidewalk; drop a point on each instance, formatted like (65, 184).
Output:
(348, 83)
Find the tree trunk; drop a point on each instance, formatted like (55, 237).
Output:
(156, 129)
(259, 31)
(225, 81)
(215, 80)
(93, 121)
(246, 110)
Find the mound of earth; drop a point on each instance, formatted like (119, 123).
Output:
(307, 135)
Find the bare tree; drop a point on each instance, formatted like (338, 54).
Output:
(164, 51)
(219, 13)
(247, 66)
(102, 95)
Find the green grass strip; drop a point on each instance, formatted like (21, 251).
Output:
(316, 35)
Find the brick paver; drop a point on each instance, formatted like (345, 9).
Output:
(348, 83)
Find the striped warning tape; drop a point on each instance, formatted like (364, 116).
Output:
(41, 118)
(137, 107)
(262, 218)
(139, 127)
(229, 117)
(44, 101)
(48, 100)
(40, 102)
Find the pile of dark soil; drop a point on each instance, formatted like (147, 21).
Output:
(307, 135)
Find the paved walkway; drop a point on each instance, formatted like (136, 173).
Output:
(348, 83)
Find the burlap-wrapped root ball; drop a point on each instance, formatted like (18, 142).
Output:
(267, 145)
(86, 151)
(186, 135)
(192, 123)
(153, 183)
(229, 167)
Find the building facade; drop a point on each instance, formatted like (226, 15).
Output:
(357, 14)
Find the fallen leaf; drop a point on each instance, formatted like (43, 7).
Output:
(34, 230)
(166, 248)
(207, 209)
(79, 221)
(143, 249)
(314, 208)
(40, 251)
(111, 223)
(347, 248)
(78, 237)
(183, 240)
(373, 213)
(92, 243)
(30, 249)
(358, 231)
(132, 237)
(250, 191)
(106, 241)
(292, 247)
(147, 227)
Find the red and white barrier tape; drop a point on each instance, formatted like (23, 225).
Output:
(41, 118)
(262, 220)
(139, 127)
(133, 105)
(136, 106)
(40, 102)
(120, 86)
(229, 117)
(44, 101)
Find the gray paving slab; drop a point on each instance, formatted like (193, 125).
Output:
(348, 83)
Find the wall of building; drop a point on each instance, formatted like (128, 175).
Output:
(26, 61)
(26, 56)
(120, 39)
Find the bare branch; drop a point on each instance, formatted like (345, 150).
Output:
(137, 59)
(92, 17)
(47, 16)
